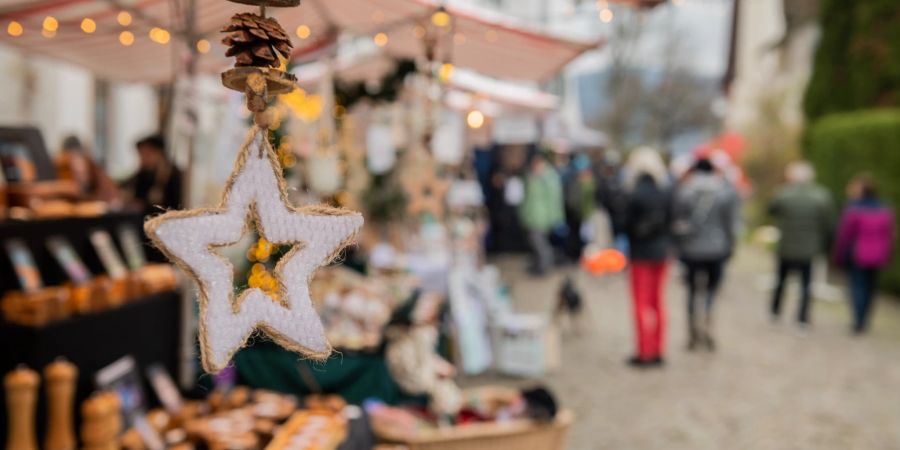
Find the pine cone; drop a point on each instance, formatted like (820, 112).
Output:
(256, 41)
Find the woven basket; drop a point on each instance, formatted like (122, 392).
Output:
(518, 435)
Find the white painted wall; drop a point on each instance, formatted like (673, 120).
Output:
(58, 98)
(133, 114)
(55, 97)
(761, 70)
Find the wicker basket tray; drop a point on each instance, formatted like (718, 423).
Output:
(518, 435)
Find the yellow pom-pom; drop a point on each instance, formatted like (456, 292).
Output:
(257, 268)
(263, 249)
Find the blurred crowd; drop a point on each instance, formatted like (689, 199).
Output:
(574, 204)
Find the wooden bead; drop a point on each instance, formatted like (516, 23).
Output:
(264, 119)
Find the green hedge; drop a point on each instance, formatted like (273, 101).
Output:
(842, 145)
(857, 63)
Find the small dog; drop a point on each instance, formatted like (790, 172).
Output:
(569, 305)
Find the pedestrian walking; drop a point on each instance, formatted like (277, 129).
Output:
(803, 213)
(541, 211)
(864, 245)
(647, 223)
(705, 220)
(580, 202)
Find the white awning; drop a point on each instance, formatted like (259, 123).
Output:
(479, 39)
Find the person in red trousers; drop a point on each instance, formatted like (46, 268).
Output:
(647, 224)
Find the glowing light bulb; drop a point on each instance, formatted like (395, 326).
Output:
(50, 23)
(303, 32)
(48, 33)
(203, 46)
(440, 18)
(124, 18)
(88, 25)
(15, 29)
(159, 35)
(475, 119)
(606, 15)
(380, 39)
(126, 38)
(445, 72)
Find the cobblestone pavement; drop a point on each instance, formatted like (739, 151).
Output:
(769, 385)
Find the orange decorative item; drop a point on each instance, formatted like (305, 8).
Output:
(604, 261)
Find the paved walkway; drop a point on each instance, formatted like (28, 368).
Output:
(769, 386)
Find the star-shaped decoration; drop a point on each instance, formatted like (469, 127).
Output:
(426, 191)
(255, 194)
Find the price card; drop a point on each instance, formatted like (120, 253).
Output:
(109, 256)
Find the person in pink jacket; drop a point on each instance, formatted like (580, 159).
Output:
(865, 244)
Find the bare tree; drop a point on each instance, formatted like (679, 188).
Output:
(645, 109)
(679, 100)
(624, 87)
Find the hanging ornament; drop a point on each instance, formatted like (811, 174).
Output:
(255, 40)
(380, 152)
(426, 191)
(255, 198)
(447, 140)
(324, 172)
(255, 194)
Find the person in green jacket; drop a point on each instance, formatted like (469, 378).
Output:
(541, 210)
(804, 214)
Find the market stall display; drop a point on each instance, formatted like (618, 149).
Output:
(491, 417)
(356, 308)
(60, 275)
(415, 307)
(247, 419)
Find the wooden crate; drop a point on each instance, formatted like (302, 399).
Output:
(517, 434)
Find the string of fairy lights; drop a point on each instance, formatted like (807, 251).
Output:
(50, 26)
(440, 20)
(126, 36)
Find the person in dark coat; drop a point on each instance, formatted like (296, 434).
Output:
(804, 215)
(647, 223)
(706, 214)
(157, 185)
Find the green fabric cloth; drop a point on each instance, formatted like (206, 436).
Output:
(804, 214)
(354, 376)
(542, 208)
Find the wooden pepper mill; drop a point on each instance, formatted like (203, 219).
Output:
(101, 422)
(59, 379)
(21, 398)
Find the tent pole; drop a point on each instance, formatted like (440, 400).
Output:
(186, 367)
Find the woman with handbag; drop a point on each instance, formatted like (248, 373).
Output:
(705, 210)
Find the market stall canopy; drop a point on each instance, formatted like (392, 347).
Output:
(145, 40)
(480, 39)
(462, 84)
